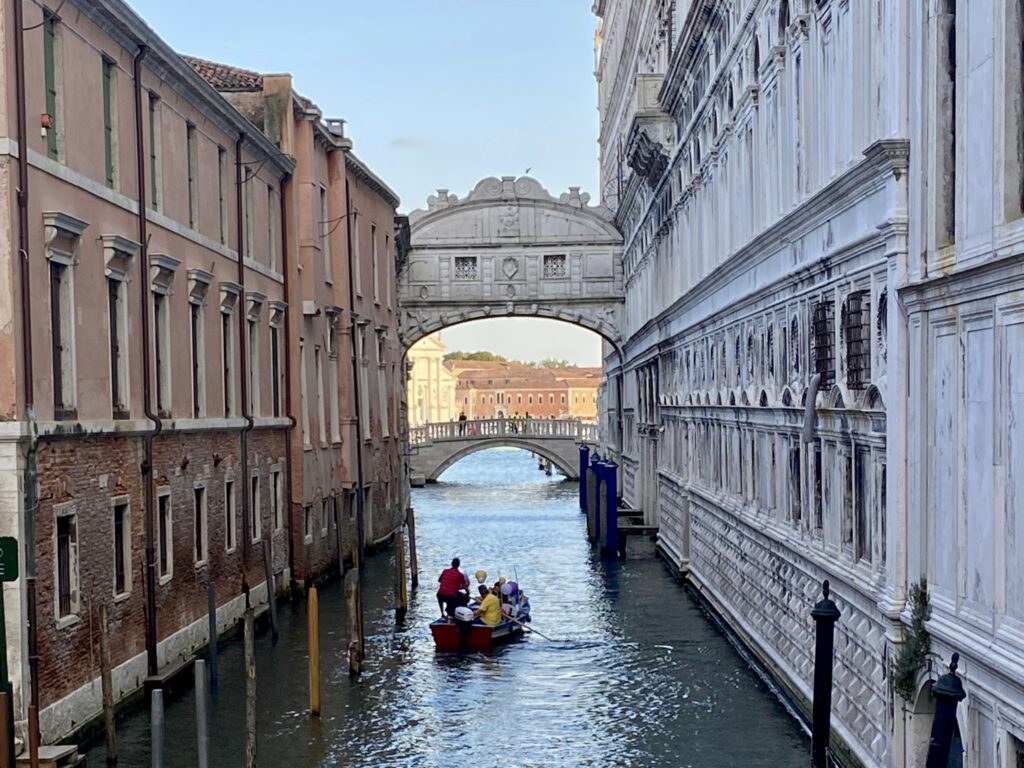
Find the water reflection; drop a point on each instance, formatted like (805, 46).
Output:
(635, 675)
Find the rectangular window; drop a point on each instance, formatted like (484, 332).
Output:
(382, 390)
(165, 537)
(357, 265)
(386, 275)
(193, 174)
(818, 493)
(67, 565)
(824, 328)
(50, 40)
(325, 236)
(198, 360)
(116, 317)
(324, 506)
(122, 549)
(229, 515)
(307, 523)
(222, 192)
(465, 268)
(227, 352)
(253, 341)
(247, 202)
(332, 383)
(857, 329)
(376, 264)
(162, 346)
(304, 395)
(364, 384)
(275, 369)
(63, 357)
(794, 485)
(861, 506)
(155, 187)
(200, 528)
(109, 112)
(255, 519)
(847, 510)
(272, 227)
(276, 499)
(555, 266)
(318, 368)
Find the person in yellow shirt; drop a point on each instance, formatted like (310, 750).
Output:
(489, 611)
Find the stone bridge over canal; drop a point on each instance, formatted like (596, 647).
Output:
(435, 447)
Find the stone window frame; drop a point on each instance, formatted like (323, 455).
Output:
(204, 539)
(199, 281)
(230, 294)
(307, 523)
(63, 236)
(230, 508)
(126, 543)
(118, 253)
(556, 272)
(73, 615)
(324, 523)
(254, 301)
(321, 405)
(465, 268)
(255, 513)
(307, 444)
(276, 322)
(277, 500)
(164, 577)
(162, 271)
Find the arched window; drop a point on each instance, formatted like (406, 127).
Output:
(728, 97)
(783, 20)
(757, 60)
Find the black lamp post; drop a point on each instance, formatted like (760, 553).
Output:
(948, 692)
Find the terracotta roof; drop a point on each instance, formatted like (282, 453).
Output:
(224, 77)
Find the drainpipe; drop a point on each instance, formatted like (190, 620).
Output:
(288, 382)
(807, 434)
(243, 358)
(147, 438)
(356, 363)
(30, 492)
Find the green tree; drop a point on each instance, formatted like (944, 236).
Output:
(477, 356)
(551, 362)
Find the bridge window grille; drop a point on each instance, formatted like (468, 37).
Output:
(465, 268)
(824, 357)
(770, 350)
(554, 266)
(857, 329)
(794, 334)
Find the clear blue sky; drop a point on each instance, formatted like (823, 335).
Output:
(437, 93)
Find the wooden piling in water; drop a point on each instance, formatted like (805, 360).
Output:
(414, 565)
(268, 566)
(107, 688)
(211, 600)
(352, 610)
(401, 590)
(313, 623)
(202, 726)
(250, 691)
(156, 727)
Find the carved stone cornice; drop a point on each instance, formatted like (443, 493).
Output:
(890, 155)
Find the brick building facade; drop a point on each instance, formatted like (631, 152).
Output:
(494, 389)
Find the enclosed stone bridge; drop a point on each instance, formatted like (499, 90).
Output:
(511, 249)
(435, 447)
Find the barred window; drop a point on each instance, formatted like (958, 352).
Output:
(465, 268)
(857, 329)
(554, 266)
(824, 357)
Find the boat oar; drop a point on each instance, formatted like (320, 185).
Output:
(535, 631)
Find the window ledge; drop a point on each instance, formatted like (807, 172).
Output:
(308, 539)
(231, 550)
(307, 446)
(164, 580)
(120, 598)
(68, 621)
(201, 564)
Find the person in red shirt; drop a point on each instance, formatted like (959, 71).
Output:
(451, 581)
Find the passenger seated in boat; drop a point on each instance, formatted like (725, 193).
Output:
(489, 611)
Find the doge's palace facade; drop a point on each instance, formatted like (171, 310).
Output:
(821, 200)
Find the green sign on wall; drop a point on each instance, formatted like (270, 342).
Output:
(8, 558)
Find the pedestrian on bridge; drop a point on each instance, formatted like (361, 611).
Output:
(462, 422)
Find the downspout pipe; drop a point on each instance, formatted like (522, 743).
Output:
(30, 497)
(243, 370)
(810, 416)
(286, 184)
(147, 387)
(356, 363)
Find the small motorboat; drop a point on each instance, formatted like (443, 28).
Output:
(456, 635)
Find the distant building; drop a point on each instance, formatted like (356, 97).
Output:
(431, 384)
(494, 389)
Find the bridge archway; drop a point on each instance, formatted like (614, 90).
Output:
(561, 462)
(511, 249)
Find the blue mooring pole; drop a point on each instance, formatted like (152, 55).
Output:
(611, 529)
(584, 463)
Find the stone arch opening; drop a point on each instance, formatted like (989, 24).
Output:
(566, 467)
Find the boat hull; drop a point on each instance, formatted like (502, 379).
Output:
(451, 636)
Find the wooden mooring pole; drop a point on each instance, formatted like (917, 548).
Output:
(268, 566)
(211, 601)
(156, 727)
(313, 616)
(352, 610)
(414, 565)
(107, 688)
(250, 691)
(401, 590)
(202, 726)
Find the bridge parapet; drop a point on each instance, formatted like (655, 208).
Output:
(489, 428)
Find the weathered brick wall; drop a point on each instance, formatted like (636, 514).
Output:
(87, 473)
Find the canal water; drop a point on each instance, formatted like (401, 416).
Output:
(635, 673)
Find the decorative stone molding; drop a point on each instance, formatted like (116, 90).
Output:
(229, 293)
(277, 312)
(62, 233)
(117, 255)
(199, 281)
(254, 301)
(162, 271)
(890, 155)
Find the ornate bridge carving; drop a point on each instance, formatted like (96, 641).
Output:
(510, 249)
(435, 447)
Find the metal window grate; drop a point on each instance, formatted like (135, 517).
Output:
(465, 268)
(824, 358)
(554, 266)
(857, 329)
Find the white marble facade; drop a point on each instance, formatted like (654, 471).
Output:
(829, 187)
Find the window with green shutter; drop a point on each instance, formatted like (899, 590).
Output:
(50, 67)
(108, 120)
